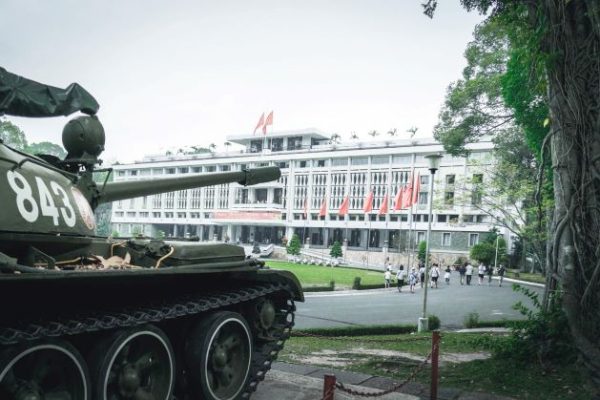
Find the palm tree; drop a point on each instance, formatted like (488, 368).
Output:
(212, 147)
(335, 138)
(373, 133)
(353, 136)
(227, 145)
(412, 131)
(392, 132)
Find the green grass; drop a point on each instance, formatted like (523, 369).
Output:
(316, 275)
(525, 276)
(492, 375)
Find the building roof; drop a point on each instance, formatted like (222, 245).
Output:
(307, 132)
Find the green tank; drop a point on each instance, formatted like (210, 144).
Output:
(89, 317)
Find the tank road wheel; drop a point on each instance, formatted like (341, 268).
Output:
(219, 354)
(50, 370)
(135, 364)
(264, 315)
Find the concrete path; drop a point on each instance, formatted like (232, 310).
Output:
(303, 382)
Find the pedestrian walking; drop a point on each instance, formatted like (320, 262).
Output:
(435, 274)
(387, 278)
(481, 273)
(422, 274)
(462, 270)
(490, 273)
(447, 275)
(469, 273)
(501, 272)
(400, 275)
(412, 279)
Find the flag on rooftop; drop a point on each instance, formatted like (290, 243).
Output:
(261, 121)
(268, 121)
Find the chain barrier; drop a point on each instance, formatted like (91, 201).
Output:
(352, 339)
(353, 392)
(392, 389)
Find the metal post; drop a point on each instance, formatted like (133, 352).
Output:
(496, 258)
(329, 387)
(423, 322)
(435, 353)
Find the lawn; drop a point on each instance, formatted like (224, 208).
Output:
(316, 275)
(396, 356)
(525, 276)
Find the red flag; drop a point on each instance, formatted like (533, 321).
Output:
(261, 121)
(398, 199)
(368, 204)
(416, 189)
(408, 192)
(268, 121)
(344, 207)
(323, 209)
(384, 206)
(305, 208)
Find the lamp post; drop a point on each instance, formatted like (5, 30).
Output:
(434, 164)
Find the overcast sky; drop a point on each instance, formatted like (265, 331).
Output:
(169, 74)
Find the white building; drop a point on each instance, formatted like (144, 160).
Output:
(313, 169)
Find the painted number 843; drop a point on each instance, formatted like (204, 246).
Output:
(29, 207)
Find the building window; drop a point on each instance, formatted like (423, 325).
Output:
(339, 162)
(424, 180)
(294, 143)
(196, 170)
(476, 197)
(133, 172)
(473, 239)
(449, 199)
(442, 218)
(156, 215)
(184, 170)
(446, 239)
(359, 161)
(450, 179)
(423, 198)
(302, 164)
(282, 164)
(256, 146)
(320, 163)
(170, 171)
(420, 237)
(157, 171)
(210, 168)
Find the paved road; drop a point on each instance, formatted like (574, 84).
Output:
(450, 303)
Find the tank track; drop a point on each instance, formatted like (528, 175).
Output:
(265, 351)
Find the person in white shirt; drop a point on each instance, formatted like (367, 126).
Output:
(469, 273)
(412, 279)
(447, 275)
(481, 273)
(387, 277)
(400, 275)
(422, 274)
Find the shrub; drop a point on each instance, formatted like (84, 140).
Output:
(471, 320)
(332, 284)
(359, 330)
(356, 283)
(434, 322)
(544, 336)
(293, 247)
(422, 251)
(336, 250)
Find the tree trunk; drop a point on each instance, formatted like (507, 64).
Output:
(572, 43)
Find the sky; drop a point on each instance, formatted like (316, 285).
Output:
(169, 74)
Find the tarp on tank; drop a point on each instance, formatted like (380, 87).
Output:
(26, 98)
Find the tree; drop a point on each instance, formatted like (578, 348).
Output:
(561, 40)
(212, 147)
(354, 136)
(335, 138)
(336, 250)
(422, 253)
(392, 132)
(46, 148)
(412, 130)
(12, 135)
(373, 133)
(293, 247)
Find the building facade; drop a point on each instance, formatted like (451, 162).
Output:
(317, 173)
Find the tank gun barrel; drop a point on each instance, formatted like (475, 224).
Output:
(114, 191)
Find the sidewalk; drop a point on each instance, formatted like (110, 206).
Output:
(304, 382)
